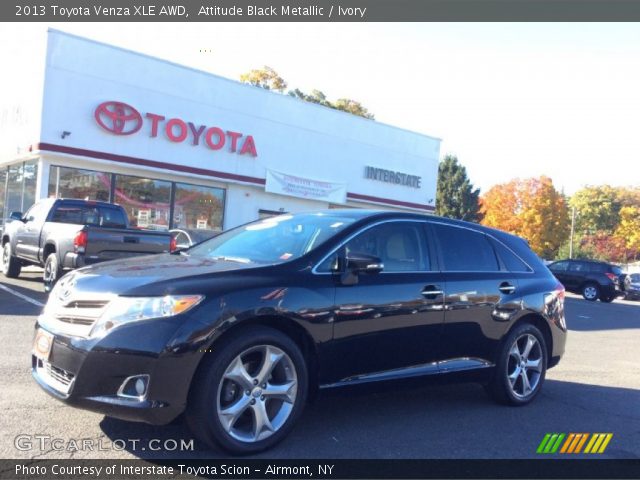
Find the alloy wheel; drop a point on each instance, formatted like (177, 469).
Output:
(6, 255)
(257, 393)
(524, 366)
(590, 292)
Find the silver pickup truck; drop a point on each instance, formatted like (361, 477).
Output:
(63, 234)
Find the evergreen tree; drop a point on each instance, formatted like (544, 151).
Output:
(456, 197)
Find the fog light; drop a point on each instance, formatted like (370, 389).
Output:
(140, 387)
(134, 387)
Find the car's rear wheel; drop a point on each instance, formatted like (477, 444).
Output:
(249, 393)
(51, 273)
(10, 265)
(521, 368)
(591, 292)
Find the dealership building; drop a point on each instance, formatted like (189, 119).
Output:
(181, 148)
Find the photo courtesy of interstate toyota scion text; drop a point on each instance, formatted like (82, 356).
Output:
(239, 331)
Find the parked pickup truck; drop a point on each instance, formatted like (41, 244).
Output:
(63, 234)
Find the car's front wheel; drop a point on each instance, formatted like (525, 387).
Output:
(521, 368)
(249, 392)
(10, 265)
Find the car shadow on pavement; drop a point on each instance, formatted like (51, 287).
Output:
(437, 421)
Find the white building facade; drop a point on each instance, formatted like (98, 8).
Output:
(181, 148)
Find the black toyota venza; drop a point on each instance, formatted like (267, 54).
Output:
(237, 331)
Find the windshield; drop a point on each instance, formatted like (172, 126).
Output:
(272, 240)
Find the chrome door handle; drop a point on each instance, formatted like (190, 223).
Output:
(507, 288)
(432, 290)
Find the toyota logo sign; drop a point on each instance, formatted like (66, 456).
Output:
(118, 118)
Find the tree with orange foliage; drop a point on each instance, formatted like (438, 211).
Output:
(531, 208)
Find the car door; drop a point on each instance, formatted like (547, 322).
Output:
(389, 320)
(28, 237)
(576, 274)
(560, 271)
(481, 297)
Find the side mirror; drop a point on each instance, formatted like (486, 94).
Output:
(15, 216)
(364, 263)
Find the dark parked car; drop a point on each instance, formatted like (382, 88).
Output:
(238, 331)
(632, 286)
(594, 280)
(62, 234)
(188, 237)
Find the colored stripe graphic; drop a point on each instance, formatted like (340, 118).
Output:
(574, 443)
(550, 443)
(598, 442)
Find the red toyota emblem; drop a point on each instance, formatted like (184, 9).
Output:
(118, 118)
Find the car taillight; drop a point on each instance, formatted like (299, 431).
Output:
(611, 276)
(80, 241)
(173, 245)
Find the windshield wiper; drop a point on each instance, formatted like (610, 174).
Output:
(232, 259)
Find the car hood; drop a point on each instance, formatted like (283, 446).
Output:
(127, 275)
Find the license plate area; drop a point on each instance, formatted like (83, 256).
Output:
(42, 344)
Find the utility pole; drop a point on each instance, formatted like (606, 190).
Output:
(573, 226)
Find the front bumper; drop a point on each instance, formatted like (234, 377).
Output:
(89, 373)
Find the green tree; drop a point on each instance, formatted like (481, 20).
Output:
(456, 197)
(269, 79)
(597, 208)
(265, 77)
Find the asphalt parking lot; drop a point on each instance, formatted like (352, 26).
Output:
(596, 388)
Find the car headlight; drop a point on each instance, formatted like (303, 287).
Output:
(134, 309)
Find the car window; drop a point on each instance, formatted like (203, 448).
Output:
(273, 240)
(89, 215)
(616, 270)
(597, 267)
(559, 267)
(465, 250)
(182, 241)
(635, 277)
(37, 212)
(579, 267)
(511, 261)
(400, 245)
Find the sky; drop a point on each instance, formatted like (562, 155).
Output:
(509, 99)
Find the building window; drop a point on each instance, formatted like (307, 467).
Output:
(198, 207)
(3, 185)
(146, 201)
(65, 182)
(19, 191)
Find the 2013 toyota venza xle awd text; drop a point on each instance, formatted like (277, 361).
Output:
(238, 331)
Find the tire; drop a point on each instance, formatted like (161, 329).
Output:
(507, 385)
(52, 272)
(10, 265)
(225, 402)
(590, 292)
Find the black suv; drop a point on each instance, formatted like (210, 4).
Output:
(594, 280)
(239, 330)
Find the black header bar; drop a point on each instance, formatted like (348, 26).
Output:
(320, 10)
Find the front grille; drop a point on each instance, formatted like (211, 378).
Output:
(57, 378)
(86, 304)
(77, 320)
(76, 315)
